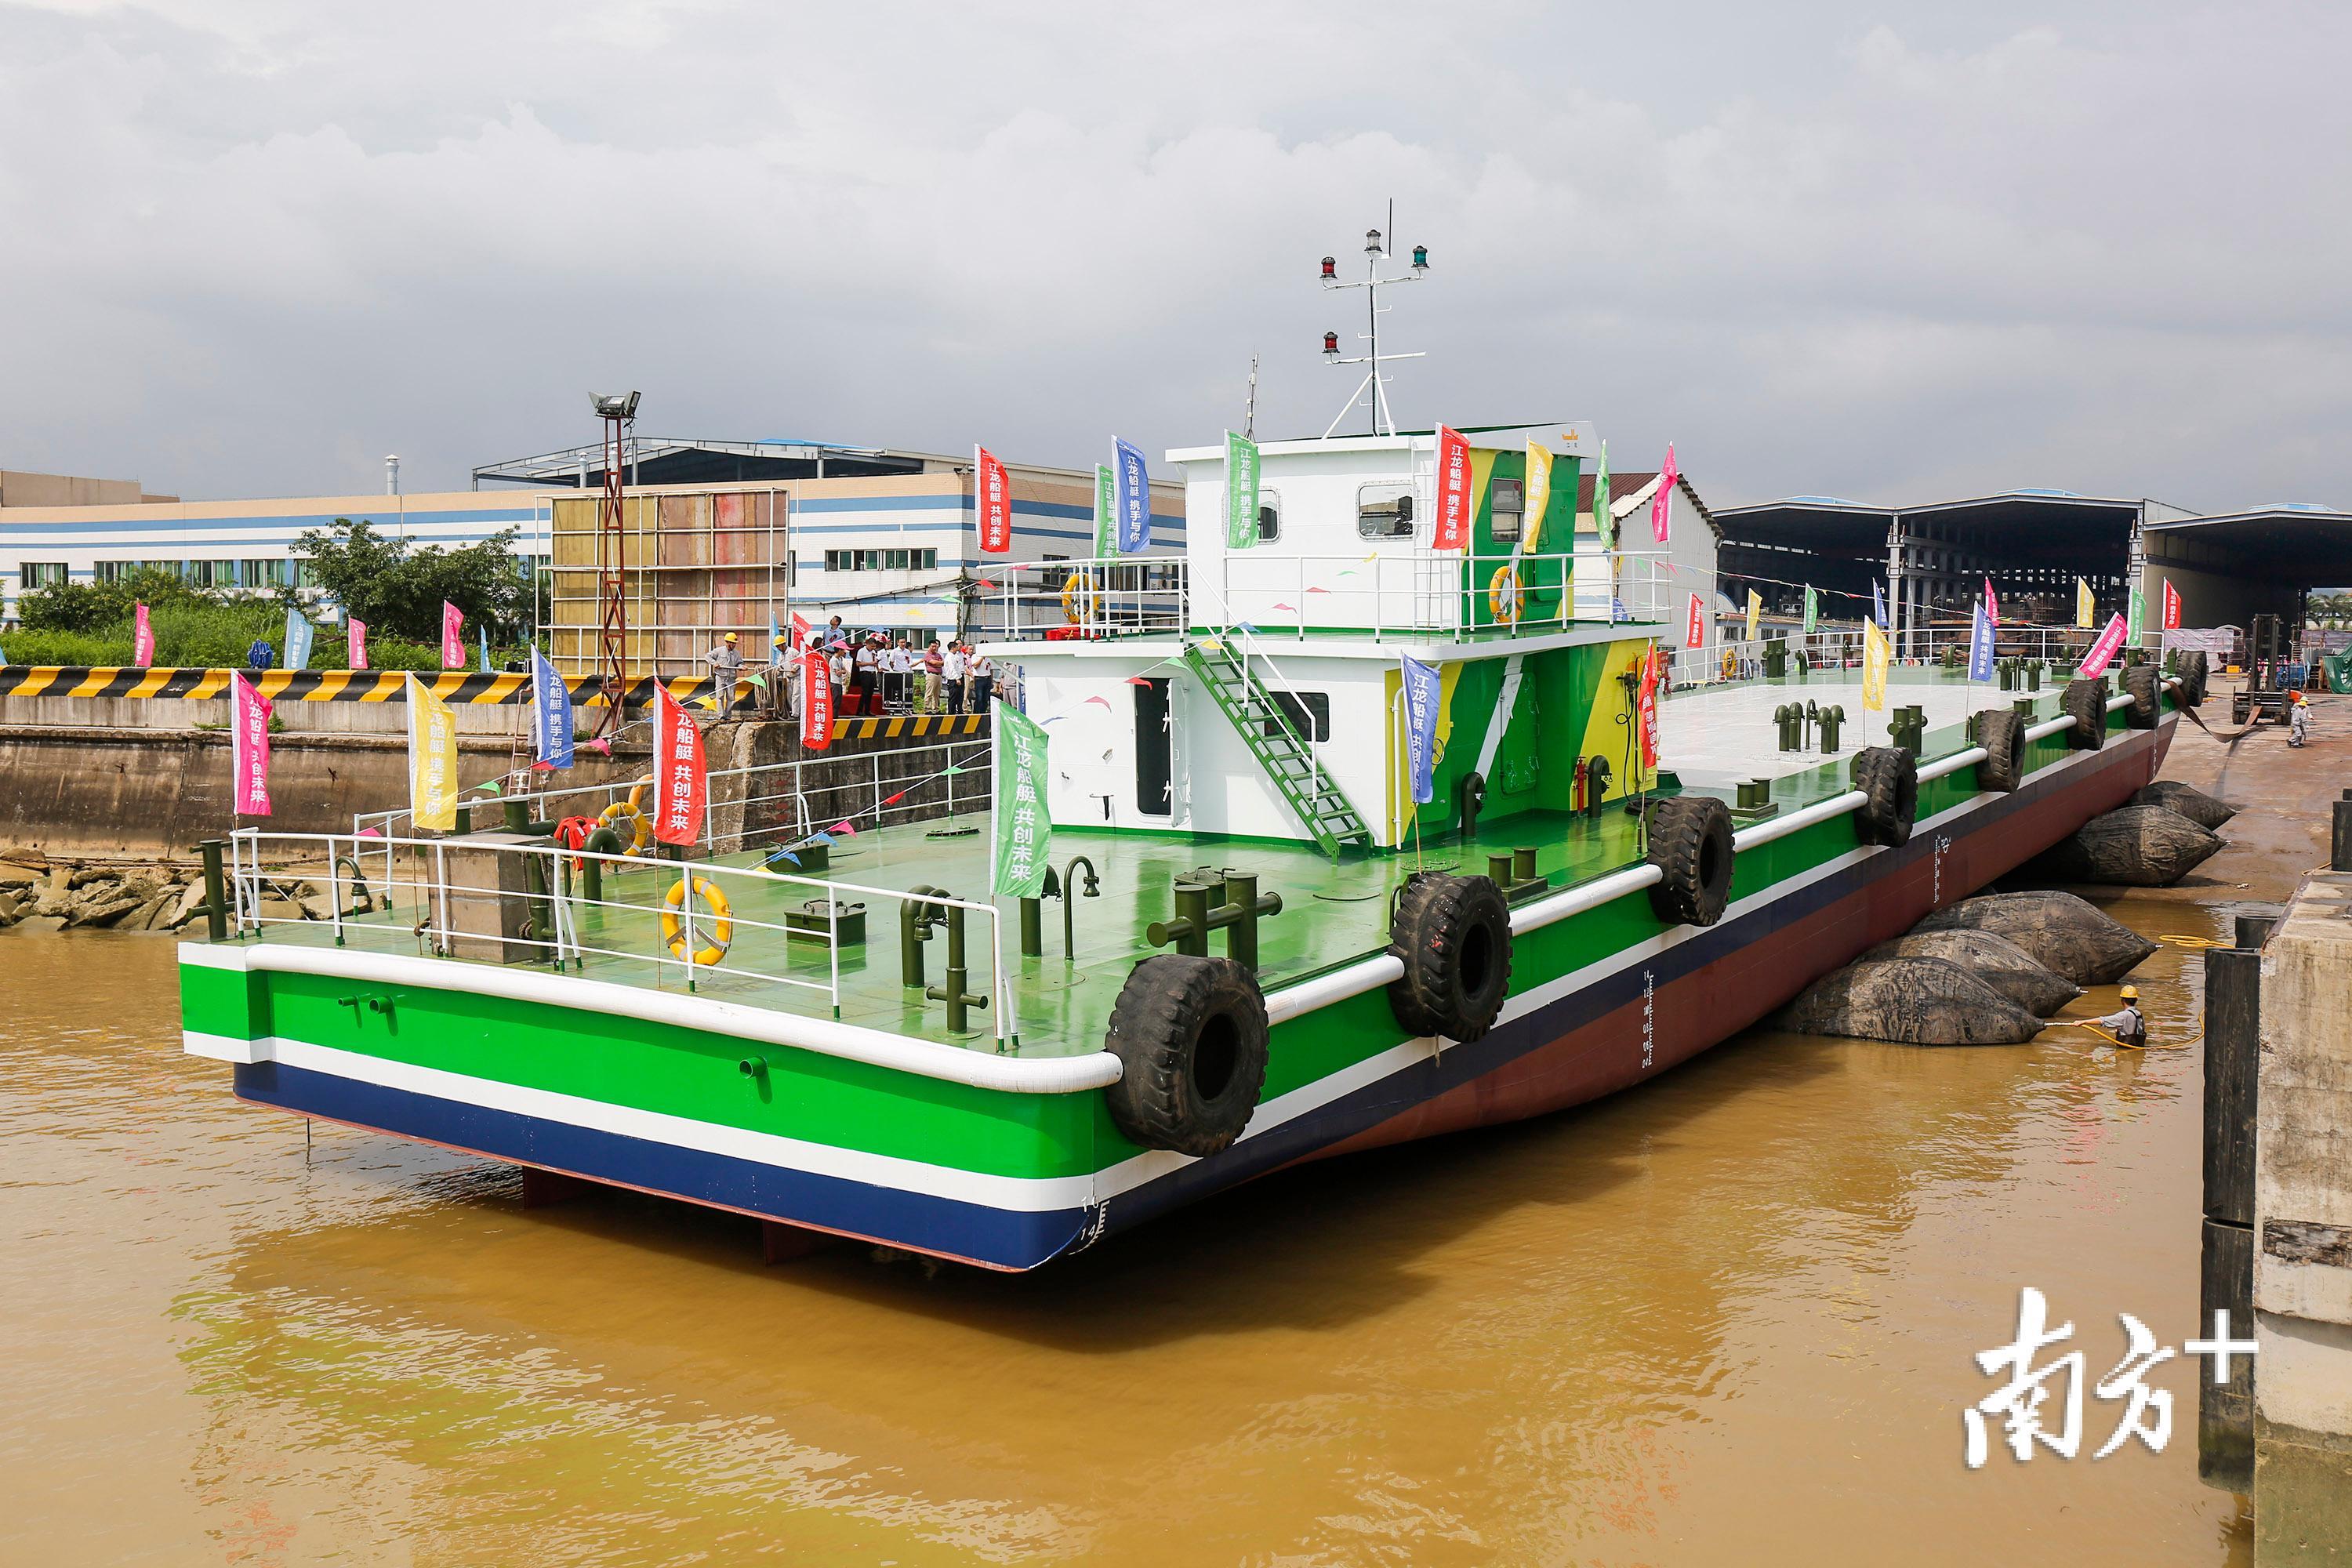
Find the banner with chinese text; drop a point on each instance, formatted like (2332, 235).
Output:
(250, 747)
(680, 780)
(1024, 830)
(432, 760)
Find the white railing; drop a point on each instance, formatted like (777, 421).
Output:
(1401, 591)
(411, 904)
(888, 790)
(1091, 596)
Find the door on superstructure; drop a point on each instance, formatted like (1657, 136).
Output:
(1155, 754)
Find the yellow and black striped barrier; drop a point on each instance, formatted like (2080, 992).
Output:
(460, 685)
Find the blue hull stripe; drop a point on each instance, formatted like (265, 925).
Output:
(977, 1233)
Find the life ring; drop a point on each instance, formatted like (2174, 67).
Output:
(1080, 599)
(1452, 934)
(719, 928)
(1505, 595)
(1189, 1034)
(633, 812)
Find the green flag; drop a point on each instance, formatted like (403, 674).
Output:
(2139, 615)
(1241, 491)
(1602, 523)
(1024, 832)
(1813, 608)
(1105, 503)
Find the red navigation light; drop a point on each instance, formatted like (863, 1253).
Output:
(1330, 270)
(1331, 342)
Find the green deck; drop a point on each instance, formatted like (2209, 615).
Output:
(1333, 913)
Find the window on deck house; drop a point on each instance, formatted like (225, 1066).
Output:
(1384, 511)
(1506, 505)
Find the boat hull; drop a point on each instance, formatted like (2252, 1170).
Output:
(1602, 1021)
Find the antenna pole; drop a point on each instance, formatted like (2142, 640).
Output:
(1249, 408)
(1374, 388)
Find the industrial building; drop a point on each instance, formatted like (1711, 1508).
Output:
(1932, 560)
(727, 533)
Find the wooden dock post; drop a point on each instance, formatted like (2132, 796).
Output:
(2225, 1412)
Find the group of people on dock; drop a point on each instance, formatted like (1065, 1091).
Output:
(873, 673)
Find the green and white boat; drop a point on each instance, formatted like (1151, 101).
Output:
(1267, 951)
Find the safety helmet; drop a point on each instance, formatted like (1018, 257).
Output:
(730, 636)
(2131, 993)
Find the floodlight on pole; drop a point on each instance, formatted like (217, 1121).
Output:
(618, 410)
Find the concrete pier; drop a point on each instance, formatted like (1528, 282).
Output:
(2303, 1232)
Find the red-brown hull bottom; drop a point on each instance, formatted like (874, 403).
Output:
(1675, 1019)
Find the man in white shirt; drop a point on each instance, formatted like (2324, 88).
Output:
(983, 676)
(959, 666)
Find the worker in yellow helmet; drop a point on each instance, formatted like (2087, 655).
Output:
(2298, 718)
(2126, 1024)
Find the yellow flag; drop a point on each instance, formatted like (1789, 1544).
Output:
(432, 760)
(1755, 612)
(1539, 492)
(1873, 667)
(2082, 604)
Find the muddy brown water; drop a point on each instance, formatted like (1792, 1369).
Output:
(1727, 1317)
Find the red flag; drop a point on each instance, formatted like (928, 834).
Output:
(2171, 606)
(817, 701)
(1662, 505)
(800, 632)
(1696, 632)
(1648, 707)
(680, 780)
(991, 495)
(1452, 529)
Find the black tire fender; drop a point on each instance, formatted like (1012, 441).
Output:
(1690, 844)
(2002, 732)
(1888, 778)
(2140, 684)
(2198, 669)
(1191, 1037)
(2085, 703)
(1452, 934)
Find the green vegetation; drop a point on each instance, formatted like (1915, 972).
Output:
(395, 589)
(398, 589)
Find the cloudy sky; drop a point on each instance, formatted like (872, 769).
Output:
(1890, 252)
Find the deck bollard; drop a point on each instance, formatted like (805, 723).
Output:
(1831, 719)
(1231, 904)
(954, 994)
(915, 920)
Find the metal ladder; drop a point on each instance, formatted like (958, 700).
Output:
(1330, 819)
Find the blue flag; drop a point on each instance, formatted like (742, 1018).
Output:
(1981, 645)
(1877, 605)
(550, 712)
(1134, 518)
(1421, 694)
(298, 632)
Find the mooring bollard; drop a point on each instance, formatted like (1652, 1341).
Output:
(1831, 719)
(2225, 1412)
(215, 890)
(1231, 904)
(2339, 848)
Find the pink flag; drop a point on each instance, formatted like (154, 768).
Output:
(355, 643)
(1452, 529)
(453, 636)
(250, 747)
(1992, 604)
(1662, 505)
(992, 492)
(142, 638)
(2095, 663)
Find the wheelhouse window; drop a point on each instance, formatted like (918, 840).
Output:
(1307, 713)
(1269, 516)
(1384, 511)
(1507, 504)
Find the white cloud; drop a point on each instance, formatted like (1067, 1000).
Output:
(251, 251)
